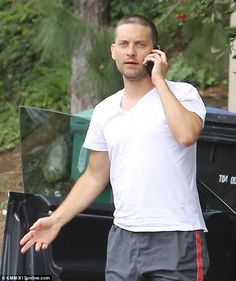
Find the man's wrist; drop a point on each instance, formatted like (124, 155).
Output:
(57, 219)
(160, 83)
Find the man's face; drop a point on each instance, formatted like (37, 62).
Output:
(132, 44)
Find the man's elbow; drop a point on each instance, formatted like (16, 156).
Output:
(190, 134)
(188, 139)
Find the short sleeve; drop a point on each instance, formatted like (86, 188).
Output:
(189, 97)
(192, 100)
(94, 139)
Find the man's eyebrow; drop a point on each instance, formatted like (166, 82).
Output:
(141, 41)
(122, 40)
(136, 41)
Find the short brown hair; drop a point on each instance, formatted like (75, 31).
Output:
(139, 19)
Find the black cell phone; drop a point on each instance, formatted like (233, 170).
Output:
(149, 64)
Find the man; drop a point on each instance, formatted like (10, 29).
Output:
(143, 138)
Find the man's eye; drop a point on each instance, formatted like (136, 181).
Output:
(141, 45)
(122, 44)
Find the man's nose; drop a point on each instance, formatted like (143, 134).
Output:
(131, 50)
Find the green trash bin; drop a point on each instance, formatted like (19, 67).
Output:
(79, 124)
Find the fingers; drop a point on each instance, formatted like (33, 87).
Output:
(38, 246)
(26, 242)
(44, 246)
(26, 238)
(41, 234)
(29, 243)
(156, 56)
(160, 54)
(29, 240)
(36, 225)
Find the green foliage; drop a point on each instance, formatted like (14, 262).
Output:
(59, 31)
(67, 32)
(9, 126)
(102, 70)
(16, 54)
(25, 79)
(151, 9)
(47, 88)
(204, 59)
(183, 70)
(198, 46)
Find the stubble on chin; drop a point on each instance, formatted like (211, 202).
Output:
(136, 76)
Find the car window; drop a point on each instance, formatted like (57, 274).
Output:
(52, 152)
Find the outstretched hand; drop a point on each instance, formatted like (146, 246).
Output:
(41, 234)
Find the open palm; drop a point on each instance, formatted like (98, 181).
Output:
(41, 234)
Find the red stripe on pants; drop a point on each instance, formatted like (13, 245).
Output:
(199, 256)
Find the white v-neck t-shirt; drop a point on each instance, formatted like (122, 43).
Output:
(153, 177)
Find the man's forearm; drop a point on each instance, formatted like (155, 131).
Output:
(184, 124)
(82, 194)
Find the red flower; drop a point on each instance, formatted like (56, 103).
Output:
(181, 16)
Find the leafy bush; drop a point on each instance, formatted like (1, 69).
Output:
(25, 79)
(9, 126)
(47, 88)
(182, 69)
(17, 55)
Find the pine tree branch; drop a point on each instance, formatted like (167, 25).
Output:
(170, 10)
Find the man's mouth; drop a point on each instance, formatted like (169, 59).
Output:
(130, 62)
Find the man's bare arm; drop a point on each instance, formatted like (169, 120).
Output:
(184, 124)
(83, 193)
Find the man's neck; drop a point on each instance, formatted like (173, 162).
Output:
(137, 89)
(134, 91)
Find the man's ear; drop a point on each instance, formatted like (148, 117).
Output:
(113, 51)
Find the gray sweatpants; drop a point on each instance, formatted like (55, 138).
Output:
(156, 256)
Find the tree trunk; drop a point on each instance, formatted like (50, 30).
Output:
(82, 94)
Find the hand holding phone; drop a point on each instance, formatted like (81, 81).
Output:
(159, 59)
(149, 65)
